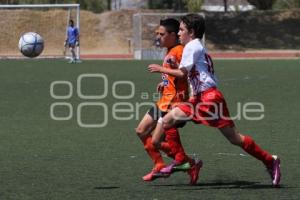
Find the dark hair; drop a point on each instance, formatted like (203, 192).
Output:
(71, 21)
(171, 25)
(196, 23)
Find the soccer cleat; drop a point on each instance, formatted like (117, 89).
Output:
(150, 176)
(168, 169)
(174, 167)
(71, 61)
(194, 172)
(183, 167)
(154, 174)
(274, 171)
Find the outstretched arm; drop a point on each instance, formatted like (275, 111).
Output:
(179, 73)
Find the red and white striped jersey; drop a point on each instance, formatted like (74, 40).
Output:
(199, 66)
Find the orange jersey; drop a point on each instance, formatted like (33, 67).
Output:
(175, 90)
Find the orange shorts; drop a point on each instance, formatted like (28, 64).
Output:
(208, 108)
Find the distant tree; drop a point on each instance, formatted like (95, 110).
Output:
(155, 4)
(92, 5)
(262, 4)
(108, 4)
(194, 5)
(286, 4)
(178, 5)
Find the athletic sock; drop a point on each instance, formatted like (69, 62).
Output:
(253, 149)
(165, 147)
(152, 151)
(177, 150)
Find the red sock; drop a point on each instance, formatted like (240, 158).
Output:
(152, 151)
(173, 139)
(165, 147)
(253, 149)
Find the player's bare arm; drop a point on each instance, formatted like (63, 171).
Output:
(160, 87)
(179, 73)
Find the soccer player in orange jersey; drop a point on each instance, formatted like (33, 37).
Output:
(173, 90)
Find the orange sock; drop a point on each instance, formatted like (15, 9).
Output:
(173, 138)
(153, 152)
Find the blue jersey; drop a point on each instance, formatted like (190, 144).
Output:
(72, 34)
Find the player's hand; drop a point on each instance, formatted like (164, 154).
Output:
(160, 87)
(66, 43)
(77, 43)
(154, 68)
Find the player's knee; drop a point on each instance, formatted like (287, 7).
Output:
(166, 123)
(140, 131)
(156, 143)
(166, 126)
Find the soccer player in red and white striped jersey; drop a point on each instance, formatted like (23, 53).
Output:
(207, 105)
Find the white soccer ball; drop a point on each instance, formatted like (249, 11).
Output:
(31, 44)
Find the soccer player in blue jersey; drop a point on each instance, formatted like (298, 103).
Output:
(72, 39)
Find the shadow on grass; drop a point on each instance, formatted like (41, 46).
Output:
(221, 185)
(106, 188)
